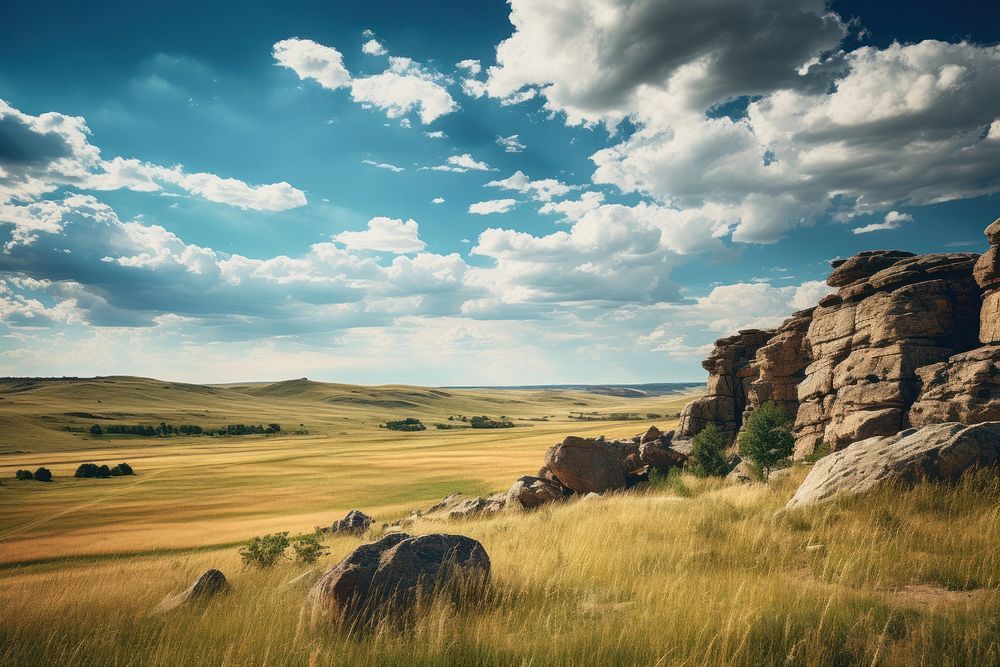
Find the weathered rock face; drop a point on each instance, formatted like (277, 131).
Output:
(966, 387)
(529, 492)
(461, 506)
(867, 341)
(355, 523)
(780, 365)
(592, 464)
(730, 375)
(937, 452)
(208, 584)
(384, 579)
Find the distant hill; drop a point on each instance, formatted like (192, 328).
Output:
(620, 390)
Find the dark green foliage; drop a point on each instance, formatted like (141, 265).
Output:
(308, 548)
(707, 453)
(43, 475)
(103, 471)
(671, 480)
(485, 422)
(23, 474)
(408, 424)
(443, 427)
(766, 440)
(164, 430)
(122, 469)
(265, 550)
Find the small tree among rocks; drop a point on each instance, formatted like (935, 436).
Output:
(708, 452)
(766, 440)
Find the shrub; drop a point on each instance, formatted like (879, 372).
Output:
(485, 422)
(89, 470)
(308, 548)
(265, 550)
(23, 474)
(122, 469)
(766, 439)
(43, 475)
(707, 452)
(408, 424)
(96, 429)
(103, 471)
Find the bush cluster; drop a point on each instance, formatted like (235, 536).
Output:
(164, 430)
(91, 470)
(708, 453)
(43, 474)
(408, 424)
(486, 422)
(266, 550)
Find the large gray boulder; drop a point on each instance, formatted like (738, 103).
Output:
(385, 578)
(936, 452)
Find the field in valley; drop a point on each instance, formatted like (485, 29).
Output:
(691, 572)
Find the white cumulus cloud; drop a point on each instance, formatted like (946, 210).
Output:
(386, 235)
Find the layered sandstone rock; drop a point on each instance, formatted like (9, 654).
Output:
(966, 387)
(731, 372)
(893, 314)
(780, 365)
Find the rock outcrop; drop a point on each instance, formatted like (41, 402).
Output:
(529, 492)
(585, 465)
(966, 387)
(731, 372)
(385, 578)
(937, 452)
(780, 366)
(355, 523)
(868, 340)
(905, 340)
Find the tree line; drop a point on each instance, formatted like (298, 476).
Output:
(163, 430)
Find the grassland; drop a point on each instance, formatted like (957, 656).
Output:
(691, 573)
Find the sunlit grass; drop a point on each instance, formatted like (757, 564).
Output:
(714, 575)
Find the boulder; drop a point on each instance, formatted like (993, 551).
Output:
(460, 506)
(993, 232)
(530, 492)
(208, 584)
(937, 452)
(385, 578)
(588, 464)
(355, 523)
(651, 434)
(660, 455)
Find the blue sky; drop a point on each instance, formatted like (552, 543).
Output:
(468, 193)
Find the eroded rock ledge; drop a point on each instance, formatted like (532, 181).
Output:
(906, 340)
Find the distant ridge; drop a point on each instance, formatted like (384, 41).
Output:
(622, 390)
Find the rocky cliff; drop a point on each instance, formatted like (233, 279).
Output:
(905, 340)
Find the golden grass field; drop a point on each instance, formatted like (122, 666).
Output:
(695, 572)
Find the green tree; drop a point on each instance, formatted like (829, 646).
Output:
(766, 438)
(23, 474)
(707, 452)
(265, 550)
(43, 475)
(96, 429)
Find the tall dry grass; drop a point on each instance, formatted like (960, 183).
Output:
(695, 574)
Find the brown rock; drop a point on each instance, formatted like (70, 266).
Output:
(385, 578)
(530, 492)
(863, 265)
(661, 456)
(965, 388)
(650, 435)
(208, 584)
(937, 452)
(987, 269)
(587, 464)
(993, 232)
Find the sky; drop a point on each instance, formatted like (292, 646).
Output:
(468, 193)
